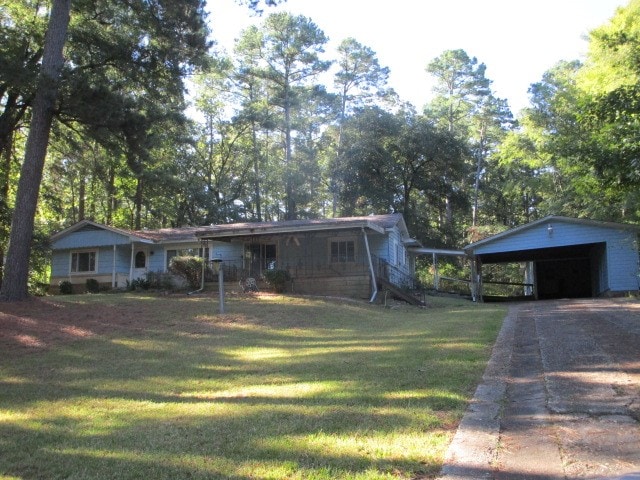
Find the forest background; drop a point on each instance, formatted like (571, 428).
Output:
(154, 127)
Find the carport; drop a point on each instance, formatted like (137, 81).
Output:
(563, 257)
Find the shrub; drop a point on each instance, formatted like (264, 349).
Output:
(189, 268)
(66, 288)
(138, 284)
(92, 285)
(159, 280)
(277, 279)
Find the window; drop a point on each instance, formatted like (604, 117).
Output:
(141, 260)
(83, 262)
(343, 251)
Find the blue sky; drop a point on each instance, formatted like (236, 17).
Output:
(517, 40)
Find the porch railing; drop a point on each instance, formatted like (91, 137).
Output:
(395, 275)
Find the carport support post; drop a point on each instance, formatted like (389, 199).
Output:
(476, 279)
(436, 277)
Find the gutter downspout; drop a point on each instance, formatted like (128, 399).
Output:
(374, 284)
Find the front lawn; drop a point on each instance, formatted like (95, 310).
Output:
(153, 387)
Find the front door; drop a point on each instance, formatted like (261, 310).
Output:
(140, 263)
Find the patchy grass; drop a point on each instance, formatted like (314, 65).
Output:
(139, 386)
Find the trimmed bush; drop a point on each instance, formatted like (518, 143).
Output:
(189, 268)
(92, 285)
(278, 279)
(66, 288)
(138, 284)
(160, 280)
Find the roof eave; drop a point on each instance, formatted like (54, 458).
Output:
(437, 251)
(279, 230)
(77, 226)
(549, 218)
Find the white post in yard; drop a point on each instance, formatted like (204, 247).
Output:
(113, 268)
(217, 262)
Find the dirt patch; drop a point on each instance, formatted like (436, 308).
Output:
(40, 323)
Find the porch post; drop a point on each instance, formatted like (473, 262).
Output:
(528, 278)
(131, 263)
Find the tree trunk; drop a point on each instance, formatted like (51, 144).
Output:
(290, 204)
(138, 204)
(16, 274)
(256, 172)
(9, 121)
(5, 213)
(111, 191)
(82, 192)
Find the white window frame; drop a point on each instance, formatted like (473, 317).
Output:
(346, 241)
(80, 252)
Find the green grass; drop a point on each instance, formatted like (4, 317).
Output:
(281, 387)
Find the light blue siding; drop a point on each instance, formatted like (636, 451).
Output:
(390, 248)
(617, 267)
(622, 261)
(230, 253)
(562, 235)
(90, 238)
(105, 260)
(157, 259)
(123, 259)
(61, 261)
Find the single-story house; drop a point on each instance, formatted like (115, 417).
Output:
(348, 256)
(564, 257)
(116, 257)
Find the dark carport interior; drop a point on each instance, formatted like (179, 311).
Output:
(560, 272)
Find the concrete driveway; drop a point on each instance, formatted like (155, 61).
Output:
(560, 398)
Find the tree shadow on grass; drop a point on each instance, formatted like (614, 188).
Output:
(194, 398)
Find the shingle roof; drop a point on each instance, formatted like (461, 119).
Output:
(376, 222)
(164, 235)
